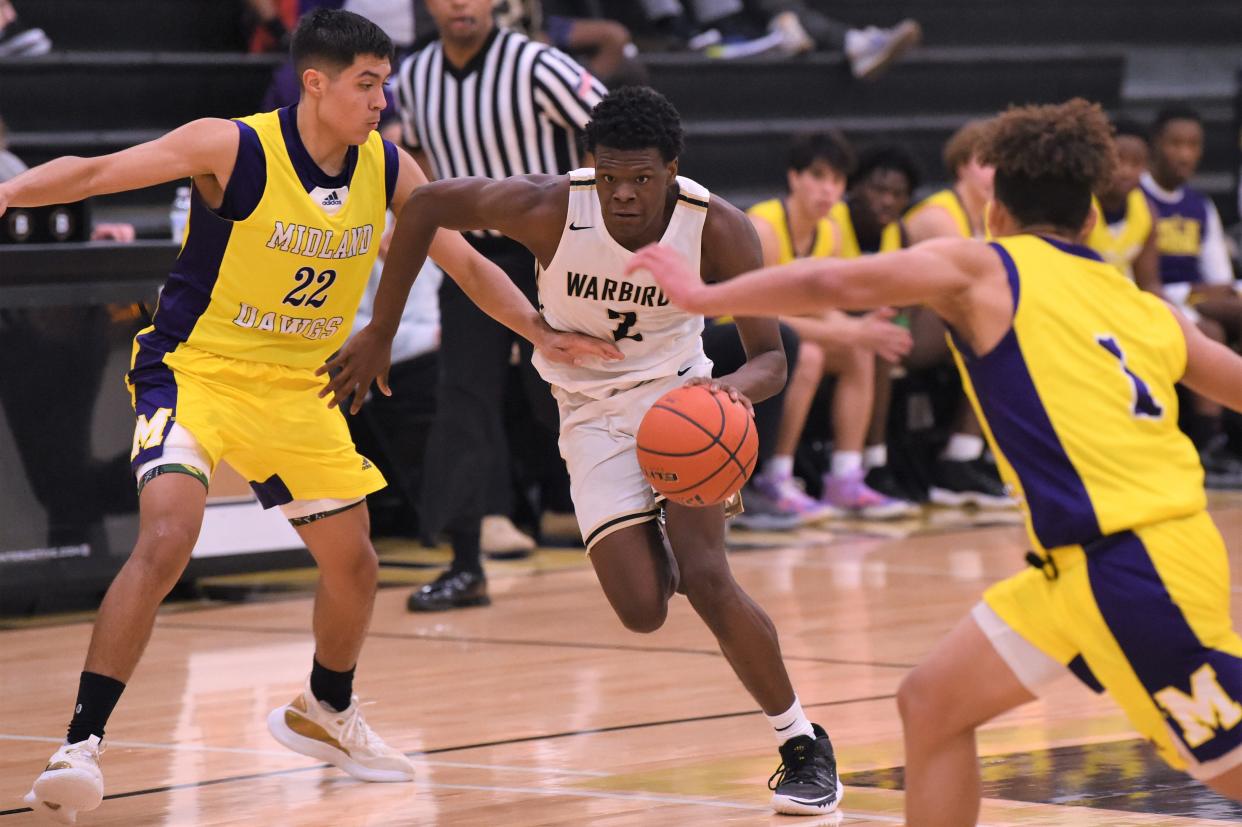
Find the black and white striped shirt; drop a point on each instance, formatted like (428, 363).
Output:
(517, 108)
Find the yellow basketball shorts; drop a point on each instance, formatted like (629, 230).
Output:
(1143, 614)
(266, 420)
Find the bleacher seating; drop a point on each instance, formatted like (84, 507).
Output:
(126, 70)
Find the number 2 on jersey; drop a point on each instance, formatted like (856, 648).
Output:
(627, 321)
(305, 278)
(1145, 405)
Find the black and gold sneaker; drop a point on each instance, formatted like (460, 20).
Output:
(309, 727)
(806, 782)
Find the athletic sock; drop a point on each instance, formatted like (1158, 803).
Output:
(963, 448)
(875, 456)
(97, 697)
(791, 723)
(333, 688)
(467, 556)
(779, 466)
(845, 463)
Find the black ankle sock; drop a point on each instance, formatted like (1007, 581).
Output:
(97, 696)
(333, 688)
(466, 554)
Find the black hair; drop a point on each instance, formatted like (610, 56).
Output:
(332, 39)
(1126, 128)
(886, 156)
(1049, 159)
(636, 117)
(1179, 112)
(829, 146)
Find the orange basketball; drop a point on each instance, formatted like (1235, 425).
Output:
(697, 447)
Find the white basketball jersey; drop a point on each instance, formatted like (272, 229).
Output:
(585, 289)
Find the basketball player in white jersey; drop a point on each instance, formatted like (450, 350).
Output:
(583, 229)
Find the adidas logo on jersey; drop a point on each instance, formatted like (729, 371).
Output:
(331, 200)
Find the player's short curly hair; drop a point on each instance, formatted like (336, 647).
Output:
(1166, 116)
(1049, 159)
(636, 117)
(886, 157)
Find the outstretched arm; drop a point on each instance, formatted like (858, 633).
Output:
(422, 209)
(931, 273)
(203, 147)
(1212, 369)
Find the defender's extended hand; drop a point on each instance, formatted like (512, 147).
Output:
(573, 348)
(365, 358)
(672, 272)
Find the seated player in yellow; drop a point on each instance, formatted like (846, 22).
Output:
(964, 474)
(830, 344)
(288, 208)
(1124, 231)
(1072, 369)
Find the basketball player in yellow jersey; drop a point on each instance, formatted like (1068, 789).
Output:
(1072, 369)
(1124, 234)
(830, 344)
(284, 228)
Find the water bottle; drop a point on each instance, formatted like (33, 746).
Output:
(179, 215)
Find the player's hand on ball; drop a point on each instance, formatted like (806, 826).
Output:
(672, 272)
(574, 348)
(365, 358)
(724, 387)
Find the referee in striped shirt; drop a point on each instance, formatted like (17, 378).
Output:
(483, 101)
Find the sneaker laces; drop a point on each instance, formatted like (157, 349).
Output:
(86, 749)
(356, 731)
(801, 771)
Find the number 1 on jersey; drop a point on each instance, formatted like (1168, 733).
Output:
(1145, 405)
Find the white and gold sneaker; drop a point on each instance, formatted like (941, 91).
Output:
(309, 727)
(72, 782)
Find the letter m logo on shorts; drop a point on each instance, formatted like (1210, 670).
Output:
(1206, 710)
(149, 433)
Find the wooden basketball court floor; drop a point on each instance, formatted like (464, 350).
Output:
(542, 710)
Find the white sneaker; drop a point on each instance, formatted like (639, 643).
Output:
(72, 782)
(871, 50)
(499, 536)
(794, 39)
(341, 738)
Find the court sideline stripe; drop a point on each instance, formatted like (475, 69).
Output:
(211, 782)
(619, 647)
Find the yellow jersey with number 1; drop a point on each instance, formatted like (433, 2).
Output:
(281, 284)
(1078, 398)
